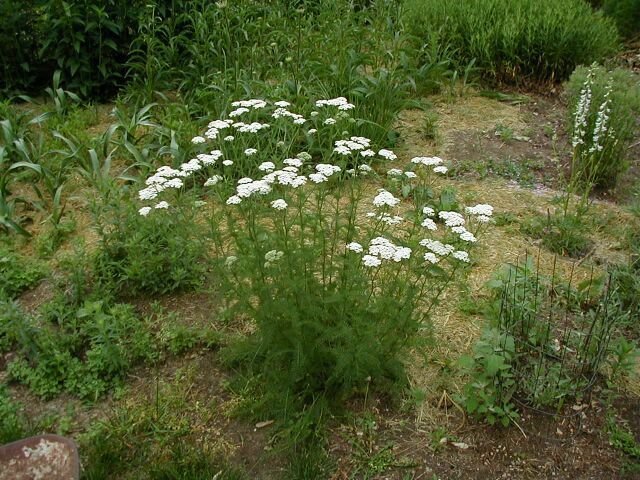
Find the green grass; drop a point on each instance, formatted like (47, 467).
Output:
(515, 41)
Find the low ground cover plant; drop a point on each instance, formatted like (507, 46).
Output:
(84, 350)
(18, 273)
(519, 40)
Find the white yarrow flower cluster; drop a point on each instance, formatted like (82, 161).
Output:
(464, 234)
(254, 103)
(279, 204)
(387, 154)
(340, 102)
(248, 188)
(266, 167)
(451, 219)
(438, 247)
(427, 161)
(214, 127)
(385, 199)
(212, 181)
(272, 256)
(326, 169)
(385, 249)
(355, 247)
(480, 209)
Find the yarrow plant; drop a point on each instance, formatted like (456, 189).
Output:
(338, 281)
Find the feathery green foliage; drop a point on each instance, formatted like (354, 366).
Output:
(518, 40)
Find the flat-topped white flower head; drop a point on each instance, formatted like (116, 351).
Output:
(480, 209)
(385, 199)
(355, 247)
(279, 204)
(437, 247)
(461, 255)
(387, 154)
(266, 167)
(371, 261)
(212, 181)
(451, 219)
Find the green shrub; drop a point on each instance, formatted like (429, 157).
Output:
(18, 64)
(626, 14)
(160, 254)
(545, 343)
(521, 39)
(88, 42)
(604, 106)
(331, 316)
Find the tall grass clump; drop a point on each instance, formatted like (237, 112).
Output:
(604, 107)
(337, 281)
(540, 40)
(626, 14)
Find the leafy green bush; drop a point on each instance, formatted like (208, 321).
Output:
(545, 342)
(331, 316)
(88, 42)
(89, 350)
(160, 254)
(626, 14)
(604, 106)
(18, 64)
(17, 272)
(521, 39)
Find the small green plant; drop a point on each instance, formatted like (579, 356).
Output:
(163, 253)
(623, 439)
(430, 125)
(63, 100)
(545, 343)
(564, 234)
(83, 351)
(488, 395)
(13, 424)
(18, 273)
